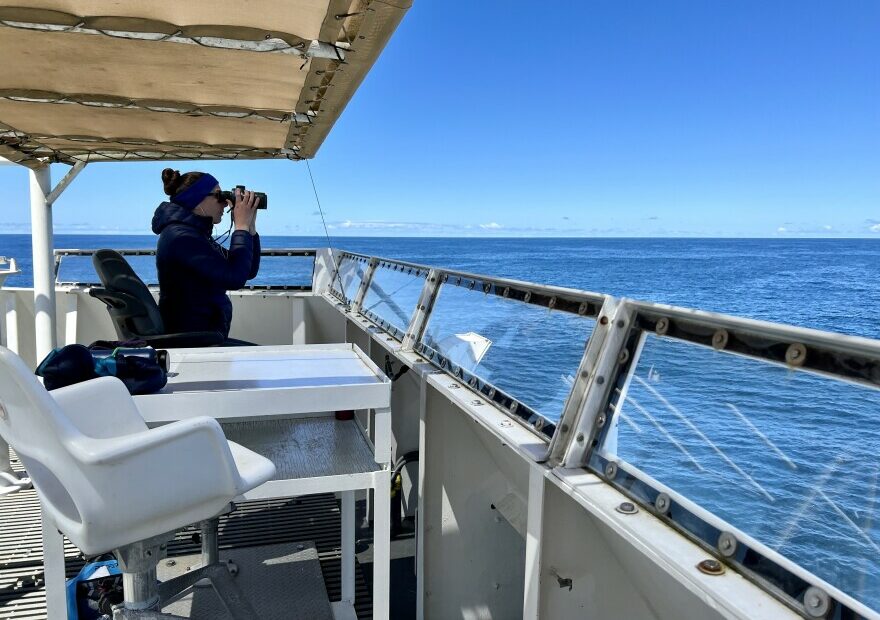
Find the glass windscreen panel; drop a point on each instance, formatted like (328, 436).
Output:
(528, 351)
(788, 457)
(280, 271)
(79, 269)
(349, 277)
(394, 294)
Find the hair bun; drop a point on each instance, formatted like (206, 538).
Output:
(171, 181)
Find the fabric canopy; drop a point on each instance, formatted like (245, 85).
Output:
(128, 80)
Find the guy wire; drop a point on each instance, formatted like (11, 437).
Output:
(327, 234)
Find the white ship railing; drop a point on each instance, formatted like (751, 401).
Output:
(587, 432)
(61, 254)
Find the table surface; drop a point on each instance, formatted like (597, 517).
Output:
(269, 367)
(242, 383)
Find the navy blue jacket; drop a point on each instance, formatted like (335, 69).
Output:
(195, 271)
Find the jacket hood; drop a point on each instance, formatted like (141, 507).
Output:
(169, 213)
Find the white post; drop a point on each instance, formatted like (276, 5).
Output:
(534, 534)
(53, 563)
(348, 584)
(44, 266)
(382, 546)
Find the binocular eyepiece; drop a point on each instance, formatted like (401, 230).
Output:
(262, 199)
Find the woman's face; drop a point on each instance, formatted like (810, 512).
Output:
(211, 206)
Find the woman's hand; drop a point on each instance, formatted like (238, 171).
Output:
(244, 212)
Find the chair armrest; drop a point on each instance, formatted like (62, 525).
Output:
(119, 301)
(184, 340)
(201, 438)
(153, 482)
(101, 408)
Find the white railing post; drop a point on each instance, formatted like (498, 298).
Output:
(364, 286)
(43, 265)
(423, 310)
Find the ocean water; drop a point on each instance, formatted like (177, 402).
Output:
(789, 458)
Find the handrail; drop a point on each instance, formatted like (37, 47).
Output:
(60, 254)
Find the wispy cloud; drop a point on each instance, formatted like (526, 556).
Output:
(782, 229)
(875, 228)
(491, 226)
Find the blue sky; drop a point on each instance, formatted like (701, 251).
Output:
(487, 118)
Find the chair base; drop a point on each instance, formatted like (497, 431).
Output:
(144, 596)
(220, 577)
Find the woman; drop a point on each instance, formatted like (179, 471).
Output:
(194, 270)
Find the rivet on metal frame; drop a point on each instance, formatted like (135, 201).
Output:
(539, 424)
(492, 392)
(3, 413)
(506, 292)
(611, 470)
(445, 277)
(487, 287)
(662, 326)
(472, 285)
(600, 421)
(719, 339)
(711, 567)
(527, 297)
(458, 280)
(552, 303)
(580, 438)
(623, 358)
(727, 544)
(582, 309)
(796, 354)
(817, 603)
(563, 428)
(627, 508)
(472, 382)
(663, 503)
(514, 406)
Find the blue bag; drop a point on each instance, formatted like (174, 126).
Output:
(90, 597)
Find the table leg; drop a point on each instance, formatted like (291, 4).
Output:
(348, 546)
(53, 568)
(382, 545)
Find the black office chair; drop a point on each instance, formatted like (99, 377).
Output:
(133, 310)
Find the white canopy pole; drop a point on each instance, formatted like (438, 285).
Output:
(44, 263)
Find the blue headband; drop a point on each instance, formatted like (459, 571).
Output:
(195, 193)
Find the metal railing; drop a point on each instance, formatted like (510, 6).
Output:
(586, 434)
(61, 254)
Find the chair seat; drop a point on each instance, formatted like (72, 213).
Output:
(253, 469)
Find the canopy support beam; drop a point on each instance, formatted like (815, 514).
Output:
(67, 180)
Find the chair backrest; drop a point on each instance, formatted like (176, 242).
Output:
(131, 305)
(31, 422)
(41, 433)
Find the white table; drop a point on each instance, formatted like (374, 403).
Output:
(279, 401)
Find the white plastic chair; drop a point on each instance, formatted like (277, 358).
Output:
(110, 483)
